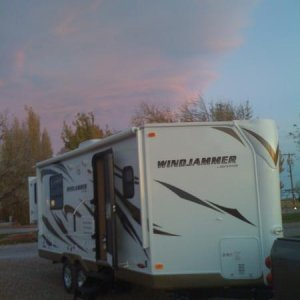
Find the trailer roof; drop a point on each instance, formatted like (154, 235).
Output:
(132, 131)
(80, 150)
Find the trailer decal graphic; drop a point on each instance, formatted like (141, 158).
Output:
(68, 209)
(184, 195)
(199, 161)
(158, 231)
(274, 154)
(234, 212)
(231, 132)
(52, 230)
(46, 172)
(62, 168)
(88, 209)
(136, 214)
(134, 211)
(127, 225)
(129, 228)
(75, 188)
(65, 231)
(48, 242)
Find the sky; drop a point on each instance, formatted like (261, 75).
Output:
(107, 56)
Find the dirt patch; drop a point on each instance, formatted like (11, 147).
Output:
(17, 238)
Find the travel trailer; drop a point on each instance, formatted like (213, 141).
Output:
(32, 192)
(184, 205)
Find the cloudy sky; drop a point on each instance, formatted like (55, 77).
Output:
(62, 57)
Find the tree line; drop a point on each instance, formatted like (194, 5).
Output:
(24, 143)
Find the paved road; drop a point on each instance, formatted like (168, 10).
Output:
(21, 251)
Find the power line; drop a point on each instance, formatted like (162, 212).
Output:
(290, 162)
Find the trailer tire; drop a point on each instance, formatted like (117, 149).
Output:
(80, 276)
(180, 295)
(68, 276)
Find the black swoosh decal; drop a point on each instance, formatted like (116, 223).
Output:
(129, 228)
(65, 231)
(157, 231)
(61, 167)
(68, 209)
(48, 242)
(88, 209)
(50, 172)
(52, 230)
(134, 211)
(127, 225)
(234, 212)
(45, 172)
(184, 195)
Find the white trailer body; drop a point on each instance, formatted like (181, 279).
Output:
(167, 205)
(33, 203)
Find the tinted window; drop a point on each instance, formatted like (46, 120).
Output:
(128, 182)
(35, 193)
(56, 192)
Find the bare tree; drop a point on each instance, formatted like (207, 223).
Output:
(193, 111)
(227, 111)
(295, 134)
(152, 113)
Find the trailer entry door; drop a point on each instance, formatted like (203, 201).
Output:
(103, 165)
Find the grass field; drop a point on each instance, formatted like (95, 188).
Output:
(291, 218)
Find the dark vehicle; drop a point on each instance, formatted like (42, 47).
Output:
(285, 258)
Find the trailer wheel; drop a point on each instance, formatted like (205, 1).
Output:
(68, 275)
(180, 295)
(80, 276)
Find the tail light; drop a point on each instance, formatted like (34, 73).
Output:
(268, 262)
(269, 277)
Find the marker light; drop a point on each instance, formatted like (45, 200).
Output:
(159, 266)
(269, 279)
(151, 134)
(268, 262)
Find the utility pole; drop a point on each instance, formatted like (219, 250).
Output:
(290, 163)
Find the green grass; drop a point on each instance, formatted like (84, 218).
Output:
(291, 218)
(4, 235)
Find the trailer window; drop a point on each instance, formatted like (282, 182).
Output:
(56, 192)
(35, 193)
(128, 182)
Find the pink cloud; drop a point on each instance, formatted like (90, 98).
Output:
(19, 62)
(107, 58)
(73, 16)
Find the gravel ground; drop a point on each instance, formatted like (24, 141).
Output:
(35, 278)
(25, 276)
(29, 277)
